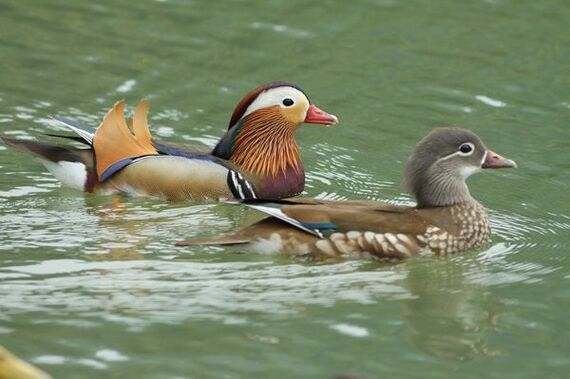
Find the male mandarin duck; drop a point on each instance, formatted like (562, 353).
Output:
(258, 157)
(445, 220)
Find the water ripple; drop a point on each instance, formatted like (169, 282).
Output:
(281, 29)
(336, 166)
(227, 291)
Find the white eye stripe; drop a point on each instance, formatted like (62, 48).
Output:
(455, 154)
(274, 97)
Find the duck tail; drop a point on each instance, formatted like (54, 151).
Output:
(73, 167)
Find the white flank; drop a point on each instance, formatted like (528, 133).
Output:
(273, 245)
(70, 174)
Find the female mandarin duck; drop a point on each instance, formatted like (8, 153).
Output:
(445, 220)
(258, 157)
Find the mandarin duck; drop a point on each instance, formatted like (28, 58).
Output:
(445, 220)
(12, 367)
(258, 157)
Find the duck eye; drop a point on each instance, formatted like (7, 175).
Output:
(288, 102)
(466, 148)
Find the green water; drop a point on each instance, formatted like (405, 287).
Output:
(88, 290)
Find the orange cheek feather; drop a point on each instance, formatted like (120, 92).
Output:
(294, 114)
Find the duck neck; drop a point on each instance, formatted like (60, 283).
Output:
(265, 145)
(441, 189)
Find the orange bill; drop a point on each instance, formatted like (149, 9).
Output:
(315, 115)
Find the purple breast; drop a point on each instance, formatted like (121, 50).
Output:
(289, 183)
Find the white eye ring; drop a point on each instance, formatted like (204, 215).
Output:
(466, 149)
(288, 102)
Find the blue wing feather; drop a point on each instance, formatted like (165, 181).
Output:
(166, 149)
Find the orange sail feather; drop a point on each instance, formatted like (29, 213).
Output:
(115, 141)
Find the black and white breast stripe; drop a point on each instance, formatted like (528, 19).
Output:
(241, 188)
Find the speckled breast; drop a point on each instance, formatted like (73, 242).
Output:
(473, 226)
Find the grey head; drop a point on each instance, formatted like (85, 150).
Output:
(441, 162)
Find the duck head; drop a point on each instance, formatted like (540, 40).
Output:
(441, 162)
(283, 99)
(260, 138)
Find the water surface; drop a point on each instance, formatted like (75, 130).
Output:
(91, 290)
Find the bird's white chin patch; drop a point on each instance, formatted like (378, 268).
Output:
(467, 171)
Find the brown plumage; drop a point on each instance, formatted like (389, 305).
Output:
(448, 219)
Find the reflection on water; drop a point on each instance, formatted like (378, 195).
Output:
(449, 316)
